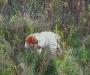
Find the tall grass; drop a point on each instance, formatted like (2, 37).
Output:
(20, 18)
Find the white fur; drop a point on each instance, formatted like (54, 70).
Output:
(47, 39)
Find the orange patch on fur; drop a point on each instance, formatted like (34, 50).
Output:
(31, 40)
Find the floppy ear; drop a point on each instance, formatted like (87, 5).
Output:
(31, 40)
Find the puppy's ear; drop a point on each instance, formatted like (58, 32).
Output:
(31, 40)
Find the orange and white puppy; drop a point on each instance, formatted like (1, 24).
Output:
(42, 40)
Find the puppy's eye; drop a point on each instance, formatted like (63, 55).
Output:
(36, 42)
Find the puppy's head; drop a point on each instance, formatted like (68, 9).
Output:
(30, 42)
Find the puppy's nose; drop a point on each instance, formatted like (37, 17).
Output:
(26, 45)
(27, 48)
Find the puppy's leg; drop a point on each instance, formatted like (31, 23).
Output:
(39, 51)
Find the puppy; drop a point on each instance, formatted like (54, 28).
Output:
(42, 40)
